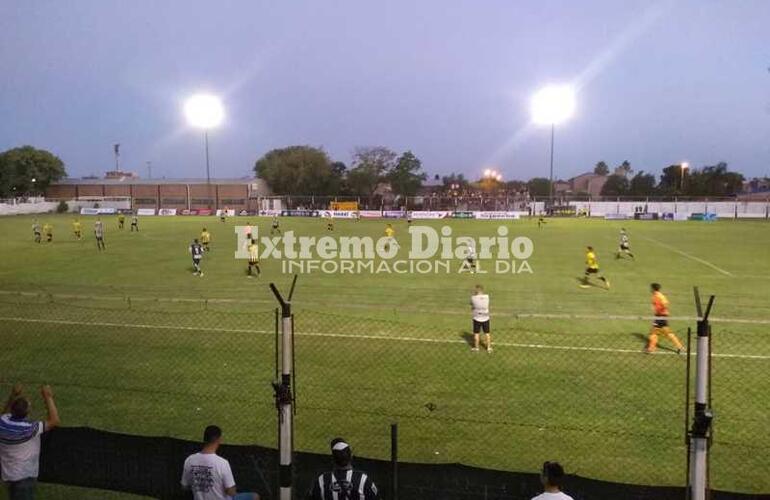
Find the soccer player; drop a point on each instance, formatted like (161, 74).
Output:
(99, 233)
(253, 257)
(274, 227)
(480, 310)
(409, 218)
(205, 239)
(36, 231)
(624, 248)
(389, 232)
(223, 215)
(330, 223)
(196, 250)
(121, 221)
(134, 223)
(77, 229)
(248, 230)
(540, 222)
(48, 230)
(470, 257)
(592, 267)
(660, 309)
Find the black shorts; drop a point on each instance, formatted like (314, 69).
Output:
(478, 326)
(660, 323)
(196, 260)
(100, 238)
(624, 246)
(590, 270)
(253, 262)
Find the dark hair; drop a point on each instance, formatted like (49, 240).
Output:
(655, 286)
(211, 434)
(590, 248)
(342, 457)
(553, 473)
(19, 408)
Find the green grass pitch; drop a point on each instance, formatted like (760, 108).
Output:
(376, 349)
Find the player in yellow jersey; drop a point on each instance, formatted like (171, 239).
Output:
(121, 221)
(253, 257)
(77, 229)
(48, 231)
(389, 236)
(205, 239)
(330, 223)
(592, 268)
(660, 309)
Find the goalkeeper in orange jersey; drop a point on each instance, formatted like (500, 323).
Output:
(660, 308)
(592, 268)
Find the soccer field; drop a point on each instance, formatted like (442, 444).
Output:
(133, 342)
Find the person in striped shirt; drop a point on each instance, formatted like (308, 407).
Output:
(343, 482)
(20, 442)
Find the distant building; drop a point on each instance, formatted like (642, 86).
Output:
(182, 194)
(589, 183)
(120, 174)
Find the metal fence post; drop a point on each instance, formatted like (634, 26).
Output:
(394, 461)
(703, 416)
(283, 395)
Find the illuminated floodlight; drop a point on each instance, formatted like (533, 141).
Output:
(499, 177)
(204, 111)
(553, 105)
(487, 173)
(684, 165)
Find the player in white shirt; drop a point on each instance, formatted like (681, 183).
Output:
(480, 309)
(552, 477)
(208, 475)
(470, 257)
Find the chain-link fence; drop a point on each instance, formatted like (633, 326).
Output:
(575, 389)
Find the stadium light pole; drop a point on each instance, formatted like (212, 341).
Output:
(205, 111)
(682, 168)
(552, 106)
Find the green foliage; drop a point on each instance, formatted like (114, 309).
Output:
(19, 166)
(616, 185)
(406, 176)
(299, 170)
(539, 186)
(370, 166)
(642, 184)
(624, 169)
(62, 207)
(601, 168)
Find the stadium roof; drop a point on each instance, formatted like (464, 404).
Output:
(134, 180)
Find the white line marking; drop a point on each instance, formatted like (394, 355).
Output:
(367, 337)
(685, 254)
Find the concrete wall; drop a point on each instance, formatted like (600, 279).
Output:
(723, 209)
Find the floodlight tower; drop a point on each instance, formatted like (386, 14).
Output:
(206, 112)
(553, 105)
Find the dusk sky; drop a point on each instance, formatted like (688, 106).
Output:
(658, 82)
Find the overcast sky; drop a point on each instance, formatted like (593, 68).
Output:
(659, 82)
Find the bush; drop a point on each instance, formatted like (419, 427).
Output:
(62, 208)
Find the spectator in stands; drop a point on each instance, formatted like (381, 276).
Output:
(20, 442)
(343, 482)
(208, 475)
(552, 477)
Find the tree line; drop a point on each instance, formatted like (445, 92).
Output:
(306, 170)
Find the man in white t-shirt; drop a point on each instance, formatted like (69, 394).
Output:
(480, 309)
(20, 442)
(552, 477)
(208, 475)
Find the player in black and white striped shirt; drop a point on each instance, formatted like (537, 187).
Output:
(343, 482)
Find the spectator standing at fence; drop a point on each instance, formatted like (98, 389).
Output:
(99, 233)
(480, 311)
(20, 442)
(552, 477)
(208, 475)
(343, 482)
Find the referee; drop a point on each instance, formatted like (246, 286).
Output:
(343, 482)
